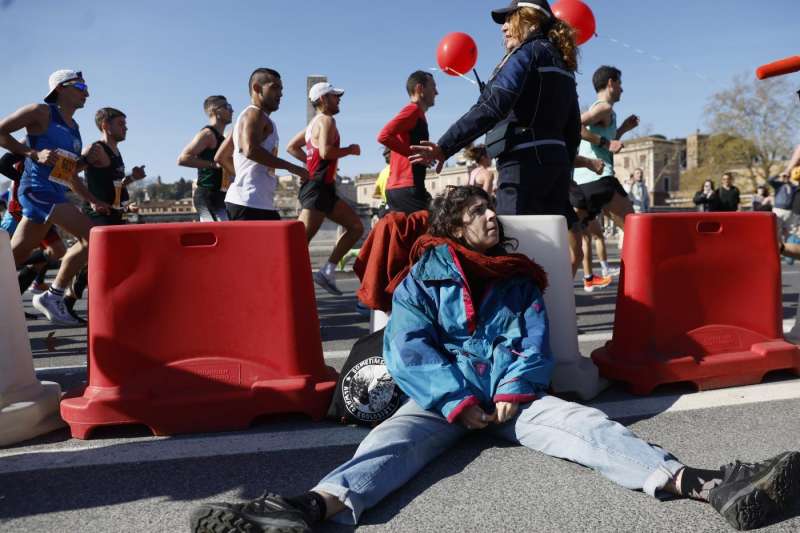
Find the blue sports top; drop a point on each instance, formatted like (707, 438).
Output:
(59, 135)
(592, 151)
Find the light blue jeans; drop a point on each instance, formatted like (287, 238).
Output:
(400, 447)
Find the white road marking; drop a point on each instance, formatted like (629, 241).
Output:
(76, 453)
(81, 453)
(764, 392)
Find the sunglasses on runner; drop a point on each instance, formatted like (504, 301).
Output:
(81, 86)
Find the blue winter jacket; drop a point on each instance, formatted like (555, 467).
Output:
(446, 356)
(784, 192)
(531, 89)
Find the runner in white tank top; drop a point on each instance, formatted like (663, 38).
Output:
(251, 150)
(254, 185)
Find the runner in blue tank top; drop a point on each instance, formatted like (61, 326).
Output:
(596, 194)
(53, 159)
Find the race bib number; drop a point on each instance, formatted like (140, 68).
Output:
(65, 168)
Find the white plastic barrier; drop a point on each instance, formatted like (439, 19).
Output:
(377, 320)
(544, 239)
(28, 407)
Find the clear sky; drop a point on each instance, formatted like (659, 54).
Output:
(158, 60)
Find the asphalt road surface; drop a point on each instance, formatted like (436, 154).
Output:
(124, 479)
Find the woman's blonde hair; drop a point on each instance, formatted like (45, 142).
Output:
(558, 32)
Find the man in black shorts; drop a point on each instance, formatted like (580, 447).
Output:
(604, 193)
(208, 198)
(405, 189)
(106, 180)
(317, 195)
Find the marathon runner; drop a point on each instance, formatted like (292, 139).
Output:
(208, 197)
(51, 165)
(317, 194)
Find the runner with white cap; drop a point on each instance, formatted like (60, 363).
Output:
(317, 195)
(52, 162)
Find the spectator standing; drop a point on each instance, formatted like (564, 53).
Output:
(762, 201)
(640, 197)
(706, 199)
(728, 194)
(482, 175)
(782, 204)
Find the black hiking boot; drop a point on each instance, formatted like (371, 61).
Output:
(269, 513)
(752, 494)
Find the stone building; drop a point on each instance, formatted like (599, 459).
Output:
(457, 174)
(695, 150)
(660, 159)
(152, 211)
(310, 82)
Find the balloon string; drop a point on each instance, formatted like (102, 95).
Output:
(473, 82)
(639, 51)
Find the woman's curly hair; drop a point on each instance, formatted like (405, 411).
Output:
(447, 212)
(558, 32)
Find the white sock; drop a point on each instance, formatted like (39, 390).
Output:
(604, 266)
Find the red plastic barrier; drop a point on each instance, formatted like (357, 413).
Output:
(778, 68)
(200, 327)
(699, 301)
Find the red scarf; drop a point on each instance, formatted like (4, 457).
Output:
(481, 269)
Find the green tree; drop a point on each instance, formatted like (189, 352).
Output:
(754, 125)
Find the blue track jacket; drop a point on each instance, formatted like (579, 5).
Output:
(447, 353)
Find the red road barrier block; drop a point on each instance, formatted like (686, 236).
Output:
(699, 301)
(200, 327)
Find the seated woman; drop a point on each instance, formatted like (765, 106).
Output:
(468, 342)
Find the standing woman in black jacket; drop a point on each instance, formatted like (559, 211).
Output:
(706, 199)
(529, 108)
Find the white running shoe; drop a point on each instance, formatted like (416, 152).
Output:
(38, 288)
(54, 309)
(611, 272)
(327, 282)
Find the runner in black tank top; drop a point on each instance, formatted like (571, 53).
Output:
(104, 174)
(208, 197)
(100, 181)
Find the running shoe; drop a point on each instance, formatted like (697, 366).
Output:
(596, 282)
(751, 495)
(267, 513)
(38, 288)
(26, 276)
(69, 303)
(610, 272)
(53, 308)
(327, 282)
(362, 309)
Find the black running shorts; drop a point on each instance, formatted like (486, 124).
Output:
(592, 197)
(318, 196)
(241, 212)
(407, 200)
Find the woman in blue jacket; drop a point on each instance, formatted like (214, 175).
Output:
(467, 341)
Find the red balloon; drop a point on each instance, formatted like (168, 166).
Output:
(579, 16)
(457, 53)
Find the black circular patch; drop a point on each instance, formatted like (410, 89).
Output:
(369, 392)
